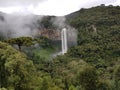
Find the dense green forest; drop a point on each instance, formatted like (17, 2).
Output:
(94, 64)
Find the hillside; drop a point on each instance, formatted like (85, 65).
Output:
(94, 15)
(93, 64)
(98, 38)
(99, 28)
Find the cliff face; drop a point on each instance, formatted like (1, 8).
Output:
(50, 33)
(55, 35)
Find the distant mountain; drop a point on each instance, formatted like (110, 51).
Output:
(98, 33)
(99, 15)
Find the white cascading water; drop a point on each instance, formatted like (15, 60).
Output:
(64, 40)
(63, 43)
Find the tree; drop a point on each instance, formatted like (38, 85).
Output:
(44, 42)
(3, 89)
(117, 78)
(21, 41)
(104, 85)
(15, 70)
(46, 22)
(88, 78)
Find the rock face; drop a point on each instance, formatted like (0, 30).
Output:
(50, 33)
(55, 35)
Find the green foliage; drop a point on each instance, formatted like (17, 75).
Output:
(21, 41)
(66, 69)
(101, 15)
(72, 88)
(98, 41)
(3, 89)
(44, 42)
(16, 71)
(91, 65)
(46, 22)
(104, 85)
(117, 78)
(86, 52)
(88, 78)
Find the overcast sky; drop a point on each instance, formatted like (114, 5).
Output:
(50, 7)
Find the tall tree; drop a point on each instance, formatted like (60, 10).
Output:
(21, 41)
(15, 70)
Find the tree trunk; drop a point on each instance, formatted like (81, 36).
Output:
(19, 46)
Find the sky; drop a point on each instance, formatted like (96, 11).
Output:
(50, 7)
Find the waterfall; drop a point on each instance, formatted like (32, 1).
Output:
(68, 39)
(64, 40)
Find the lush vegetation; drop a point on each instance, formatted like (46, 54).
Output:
(16, 71)
(98, 39)
(91, 65)
(46, 22)
(21, 41)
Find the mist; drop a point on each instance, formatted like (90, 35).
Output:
(60, 23)
(16, 25)
(50, 7)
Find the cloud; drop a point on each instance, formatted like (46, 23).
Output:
(117, 2)
(92, 3)
(63, 7)
(7, 3)
(16, 26)
(50, 7)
